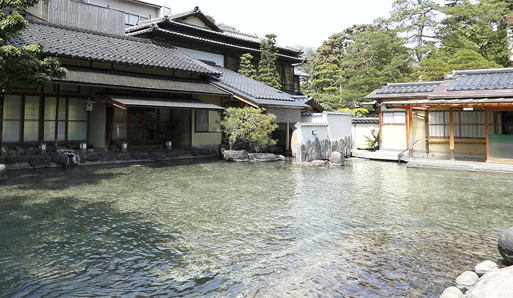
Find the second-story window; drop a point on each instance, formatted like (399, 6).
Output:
(132, 19)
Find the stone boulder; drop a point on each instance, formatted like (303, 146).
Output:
(194, 151)
(123, 156)
(40, 161)
(204, 151)
(505, 244)
(293, 143)
(263, 157)
(158, 155)
(92, 156)
(140, 155)
(496, 284)
(466, 280)
(236, 155)
(452, 292)
(59, 159)
(108, 156)
(486, 267)
(3, 172)
(173, 153)
(337, 159)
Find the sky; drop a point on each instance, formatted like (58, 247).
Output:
(295, 22)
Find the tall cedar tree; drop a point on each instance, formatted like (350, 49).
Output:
(246, 67)
(267, 71)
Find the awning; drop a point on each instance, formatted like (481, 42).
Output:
(451, 102)
(123, 101)
(133, 81)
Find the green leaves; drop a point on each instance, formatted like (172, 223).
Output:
(267, 71)
(246, 67)
(248, 124)
(22, 65)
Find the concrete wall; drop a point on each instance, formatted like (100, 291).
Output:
(212, 138)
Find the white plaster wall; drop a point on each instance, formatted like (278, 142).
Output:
(393, 137)
(358, 133)
(339, 125)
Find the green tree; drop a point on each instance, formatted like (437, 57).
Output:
(246, 67)
(249, 125)
(468, 59)
(267, 71)
(416, 18)
(21, 65)
(374, 58)
(430, 69)
(478, 27)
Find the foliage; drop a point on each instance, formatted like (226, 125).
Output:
(373, 140)
(469, 59)
(430, 69)
(356, 61)
(248, 125)
(21, 64)
(374, 58)
(416, 18)
(478, 27)
(246, 67)
(173, 131)
(356, 112)
(267, 71)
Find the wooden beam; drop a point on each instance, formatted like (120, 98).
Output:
(287, 137)
(451, 131)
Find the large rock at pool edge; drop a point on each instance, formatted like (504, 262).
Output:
(496, 284)
(236, 155)
(505, 245)
(337, 159)
(3, 172)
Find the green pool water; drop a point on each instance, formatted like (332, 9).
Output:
(209, 228)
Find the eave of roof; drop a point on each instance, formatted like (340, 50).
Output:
(132, 81)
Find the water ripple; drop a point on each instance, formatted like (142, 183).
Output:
(217, 229)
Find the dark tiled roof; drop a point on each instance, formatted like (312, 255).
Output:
(64, 41)
(223, 32)
(254, 90)
(482, 79)
(369, 120)
(408, 87)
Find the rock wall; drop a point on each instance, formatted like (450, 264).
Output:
(27, 161)
(322, 149)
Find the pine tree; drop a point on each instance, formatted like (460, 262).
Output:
(267, 71)
(246, 67)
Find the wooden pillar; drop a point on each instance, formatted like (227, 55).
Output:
(487, 132)
(287, 137)
(451, 124)
(410, 131)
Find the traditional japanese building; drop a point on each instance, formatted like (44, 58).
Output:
(470, 113)
(119, 90)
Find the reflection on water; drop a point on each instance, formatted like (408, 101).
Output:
(218, 229)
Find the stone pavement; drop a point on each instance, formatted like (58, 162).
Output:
(472, 164)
